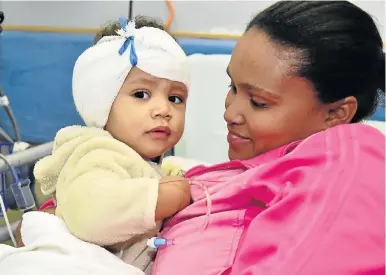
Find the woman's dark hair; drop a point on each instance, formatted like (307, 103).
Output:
(337, 47)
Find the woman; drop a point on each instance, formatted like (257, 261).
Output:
(303, 192)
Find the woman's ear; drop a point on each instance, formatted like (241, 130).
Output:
(341, 112)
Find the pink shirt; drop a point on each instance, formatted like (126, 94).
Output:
(325, 213)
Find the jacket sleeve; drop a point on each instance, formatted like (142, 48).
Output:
(101, 207)
(105, 191)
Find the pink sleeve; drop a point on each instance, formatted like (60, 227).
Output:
(330, 217)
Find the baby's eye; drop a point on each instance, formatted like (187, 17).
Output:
(141, 95)
(176, 99)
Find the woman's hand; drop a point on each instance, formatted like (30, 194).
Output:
(173, 196)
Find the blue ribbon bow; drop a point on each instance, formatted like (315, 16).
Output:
(128, 42)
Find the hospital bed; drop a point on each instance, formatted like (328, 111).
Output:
(40, 92)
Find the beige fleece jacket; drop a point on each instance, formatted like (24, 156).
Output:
(106, 193)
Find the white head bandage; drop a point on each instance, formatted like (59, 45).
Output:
(100, 71)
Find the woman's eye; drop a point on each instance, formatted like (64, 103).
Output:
(141, 95)
(233, 88)
(176, 99)
(259, 105)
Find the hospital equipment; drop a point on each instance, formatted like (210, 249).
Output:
(20, 188)
(157, 242)
(18, 191)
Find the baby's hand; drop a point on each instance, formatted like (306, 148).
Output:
(171, 169)
(173, 196)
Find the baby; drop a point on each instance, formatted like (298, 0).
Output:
(131, 90)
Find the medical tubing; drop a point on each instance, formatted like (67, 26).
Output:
(11, 116)
(16, 179)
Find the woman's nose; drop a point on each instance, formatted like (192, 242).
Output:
(232, 114)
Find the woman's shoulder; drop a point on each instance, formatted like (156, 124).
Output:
(348, 137)
(341, 147)
(359, 131)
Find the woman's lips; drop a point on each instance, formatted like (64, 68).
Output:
(236, 139)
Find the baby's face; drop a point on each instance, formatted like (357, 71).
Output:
(148, 114)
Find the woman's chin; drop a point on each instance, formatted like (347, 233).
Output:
(240, 155)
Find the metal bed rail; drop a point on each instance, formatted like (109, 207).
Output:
(28, 156)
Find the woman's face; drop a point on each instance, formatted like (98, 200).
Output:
(266, 106)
